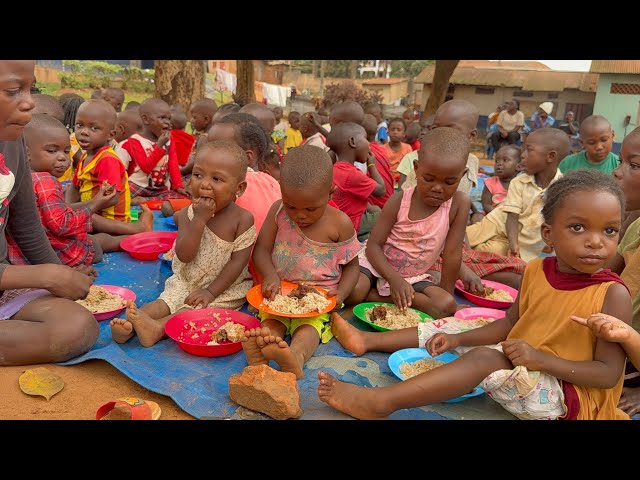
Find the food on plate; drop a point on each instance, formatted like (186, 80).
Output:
(497, 295)
(301, 300)
(100, 300)
(391, 317)
(409, 370)
(229, 332)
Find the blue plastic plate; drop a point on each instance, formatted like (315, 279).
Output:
(411, 355)
(169, 222)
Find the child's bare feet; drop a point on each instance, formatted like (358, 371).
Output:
(252, 350)
(121, 330)
(145, 219)
(149, 331)
(276, 349)
(359, 402)
(347, 335)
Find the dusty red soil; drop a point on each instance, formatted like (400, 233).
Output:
(87, 386)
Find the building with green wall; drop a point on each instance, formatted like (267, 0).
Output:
(618, 95)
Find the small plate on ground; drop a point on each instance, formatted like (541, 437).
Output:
(147, 245)
(360, 312)
(485, 302)
(479, 312)
(411, 355)
(255, 298)
(125, 293)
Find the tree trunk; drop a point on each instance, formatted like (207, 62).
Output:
(440, 85)
(180, 81)
(322, 65)
(314, 68)
(354, 69)
(245, 89)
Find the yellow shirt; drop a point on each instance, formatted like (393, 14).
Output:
(68, 175)
(544, 323)
(628, 249)
(525, 198)
(293, 139)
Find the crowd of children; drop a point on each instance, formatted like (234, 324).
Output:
(369, 209)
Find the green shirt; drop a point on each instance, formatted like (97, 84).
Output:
(578, 161)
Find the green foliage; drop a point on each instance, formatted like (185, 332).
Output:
(94, 74)
(408, 68)
(71, 80)
(346, 91)
(138, 80)
(305, 66)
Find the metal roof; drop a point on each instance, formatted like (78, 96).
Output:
(545, 81)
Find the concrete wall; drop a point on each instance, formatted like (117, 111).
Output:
(488, 103)
(390, 93)
(306, 81)
(616, 106)
(47, 75)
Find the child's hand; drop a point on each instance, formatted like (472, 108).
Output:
(184, 192)
(520, 352)
(270, 287)
(514, 251)
(441, 343)
(402, 293)
(104, 197)
(473, 284)
(339, 298)
(164, 138)
(204, 208)
(311, 116)
(607, 327)
(86, 270)
(200, 298)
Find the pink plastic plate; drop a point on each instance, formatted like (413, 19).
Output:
(477, 312)
(123, 292)
(485, 302)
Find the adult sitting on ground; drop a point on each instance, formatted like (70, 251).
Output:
(39, 321)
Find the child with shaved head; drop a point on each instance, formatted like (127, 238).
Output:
(596, 137)
(153, 168)
(353, 188)
(305, 240)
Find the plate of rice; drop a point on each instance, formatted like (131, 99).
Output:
(294, 300)
(107, 301)
(410, 362)
(496, 295)
(386, 316)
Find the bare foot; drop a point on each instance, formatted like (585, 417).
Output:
(138, 200)
(145, 219)
(358, 402)
(252, 350)
(121, 330)
(630, 401)
(278, 350)
(149, 331)
(347, 335)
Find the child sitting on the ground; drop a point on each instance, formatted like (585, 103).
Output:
(514, 228)
(302, 240)
(94, 129)
(596, 137)
(127, 123)
(48, 149)
(537, 363)
(353, 188)
(495, 187)
(154, 174)
(201, 113)
(396, 148)
(415, 226)
(212, 250)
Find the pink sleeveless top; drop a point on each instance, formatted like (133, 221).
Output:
(413, 245)
(298, 258)
(498, 192)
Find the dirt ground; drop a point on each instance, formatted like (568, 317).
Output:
(87, 386)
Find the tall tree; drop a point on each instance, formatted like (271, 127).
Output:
(440, 85)
(245, 89)
(323, 64)
(353, 69)
(180, 81)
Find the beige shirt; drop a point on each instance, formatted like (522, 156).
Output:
(467, 182)
(525, 198)
(509, 122)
